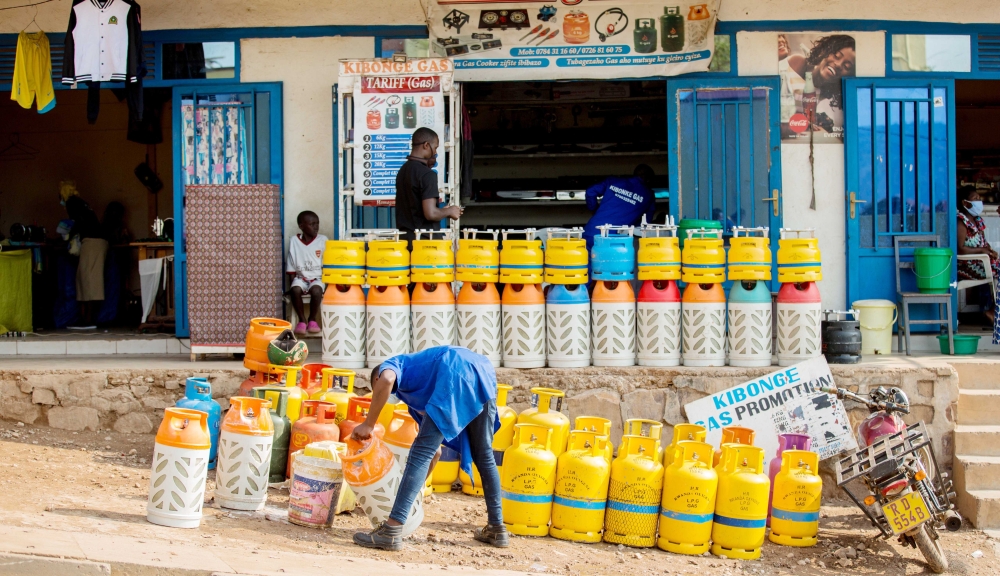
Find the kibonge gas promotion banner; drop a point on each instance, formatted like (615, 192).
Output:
(572, 39)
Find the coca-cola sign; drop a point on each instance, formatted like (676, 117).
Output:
(400, 84)
(798, 123)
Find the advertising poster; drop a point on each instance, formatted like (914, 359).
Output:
(811, 67)
(386, 112)
(788, 401)
(572, 39)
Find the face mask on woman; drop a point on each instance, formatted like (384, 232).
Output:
(975, 208)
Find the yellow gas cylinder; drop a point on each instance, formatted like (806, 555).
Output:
(741, 505)
(749, 254)
(565, 256)
(646, 429)
(634, 494)
(581, 492)
(478, 259)
(733, 435)
(336, 387)
(433, 258)
(703, 257)
(391, 405)
(602, 426)
(388, 260)
(546, 409)
(295, 394)
(798, 491)
(528, 481)
(659, 255)
(798, 257)
(502, 440)
(521, 261)
(344, 262)
(446, 472)
(688, 504)
(684, 432)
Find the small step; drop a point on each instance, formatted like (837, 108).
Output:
(976, 472)
(981, 507)
(979, 406)
(977, 375)
(977, 440)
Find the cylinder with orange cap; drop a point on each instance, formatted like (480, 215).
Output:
(244, 454)
(179, 470)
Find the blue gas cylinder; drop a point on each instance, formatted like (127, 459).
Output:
(198, 396)
(613, 255)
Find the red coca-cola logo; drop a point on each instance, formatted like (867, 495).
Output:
(798, 123)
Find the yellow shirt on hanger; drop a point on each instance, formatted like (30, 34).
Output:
(33, 72)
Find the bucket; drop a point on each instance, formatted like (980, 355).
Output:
(933, 269)
(876, 318)
(965, 344)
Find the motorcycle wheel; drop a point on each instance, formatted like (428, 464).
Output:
(931, 549)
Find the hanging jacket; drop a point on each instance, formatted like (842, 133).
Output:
(103, 42)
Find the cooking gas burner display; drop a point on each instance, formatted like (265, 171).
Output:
(503, 19)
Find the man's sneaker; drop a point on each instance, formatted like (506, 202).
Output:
(493, 535)
(384, 537)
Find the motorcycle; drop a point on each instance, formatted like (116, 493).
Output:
(905, 494)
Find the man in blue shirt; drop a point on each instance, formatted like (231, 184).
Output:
(623, 201)
(452, 394)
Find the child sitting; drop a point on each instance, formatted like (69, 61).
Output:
(305, 263)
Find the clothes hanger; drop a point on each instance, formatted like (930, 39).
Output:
(33, 21)
(16, 150)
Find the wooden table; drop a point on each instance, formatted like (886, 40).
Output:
(149, 250)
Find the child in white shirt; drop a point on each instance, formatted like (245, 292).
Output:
(305, 263)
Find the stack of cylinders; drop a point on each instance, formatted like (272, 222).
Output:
(741, 504)
(703, 318)
(567, 303)
(799, 306)
(478, 310)
(688, 504)
(749, 298)
(612, 319)
(581, 491)
(658, 310)
(432, 268)
(523, 302)
(634, 493)
(180, 469)
(527, 481)
(388, 306)
(259, 336)
(244, 454)
(343, 307)
(546, 410)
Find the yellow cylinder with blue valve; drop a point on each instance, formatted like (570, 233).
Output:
(581, 491)
(741, 504)
(645, 428)
(703, 259)
(388, 259)
(682, 432)
(798, 492)
(433, 257)
(344, 262)
(528, 481)
(602, 426)
(659, 255)
(478, 259)
(502, 439)
(749, 254)
(546, 410)
(521, 261)
(688, 505)
(634, 494)
(799, 258)
(565, 256)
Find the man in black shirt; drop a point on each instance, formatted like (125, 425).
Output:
(417, 190)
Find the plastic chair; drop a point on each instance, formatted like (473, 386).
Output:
(966, 284)
(905, 299)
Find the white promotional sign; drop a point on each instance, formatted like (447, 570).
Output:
(788, 401)
(572, 39)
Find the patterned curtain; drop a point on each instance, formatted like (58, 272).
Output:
(215, 145)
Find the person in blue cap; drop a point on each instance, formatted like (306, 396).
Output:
(620, 202)
(452, 394)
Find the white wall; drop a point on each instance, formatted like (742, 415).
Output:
(308, 69)
(757, 54)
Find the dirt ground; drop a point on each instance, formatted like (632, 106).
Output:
(97, 481)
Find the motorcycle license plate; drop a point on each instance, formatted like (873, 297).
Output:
(906, 513)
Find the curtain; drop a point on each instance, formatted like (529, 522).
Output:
(215, 148)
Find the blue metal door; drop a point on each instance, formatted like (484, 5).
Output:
(900, 176)
(221, 135)
(725, 152)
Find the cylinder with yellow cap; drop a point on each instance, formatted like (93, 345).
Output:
(581, 491)
(688, 505)
(601, 426)
(741, 504)
(634, 494)
(527, 481)
(478, 258)
(546, 410)
(565, 256)
(681, 433)
(336, 387)
(798, 492)
(521, 261)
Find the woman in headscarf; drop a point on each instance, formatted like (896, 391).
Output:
(971, 231)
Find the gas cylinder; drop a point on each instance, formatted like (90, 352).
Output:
(432, 259)
(567, 325)
(644, 428)
(295, 394)
(703, 321)
(245, 439)
(523, 307)
(749, 255)
(373, 474)
(546, 410)
(388, 321)
(502, 439)
(659, 255)
(672, 23)
(312, 378)
(749, 324)
(258, 378)
(433, 316)
(682, 433)
(357, 412)
(658, 323)
(478, 259)
(800, 317)
(392, 404)
(198, 396)
(259, 336)
(576, 27)
(785, 442)
(703, 258)
(841, 336)
(344, 321)
(317, 424)
(477, 317)
(613, 323)
(179, 470)
(698, 23)
(565, 256)
(733, 435)
(278, 407)
(337, 388)
(798, 491)
(521, 261)
(581, 490)
(344, 262)
(741, 505)
(527, 481)
(613, 256)
(388, 259)
(799, 258)
(399, 437)
(446, 472)
(634, 494)
(688, 504)
(600, 426)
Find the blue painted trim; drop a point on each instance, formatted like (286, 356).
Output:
(526, 498)
(219, 34)
(579, 504)
(777, 514)
(841, 25)
(521, 266)
(429, 267)
(557, 267)
(796, 265)
(739, 522)
(342, 267)
(477, 267)
(683, 517)
(387, 268)
(632, 508)
(704, 265)
(674, 264)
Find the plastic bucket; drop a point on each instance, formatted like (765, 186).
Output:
(965, 344)
(876, 318)
(933, 269)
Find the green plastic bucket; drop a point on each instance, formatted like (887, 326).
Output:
(933, 269)
(964, 343)
(693, 224)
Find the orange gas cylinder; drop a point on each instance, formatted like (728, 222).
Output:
(400, 435)
(180, 464)
(312, 378)
(317, 423)
(245, 440)
(259, 336)
(256, 380)
(734, 435)
(357, 411)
